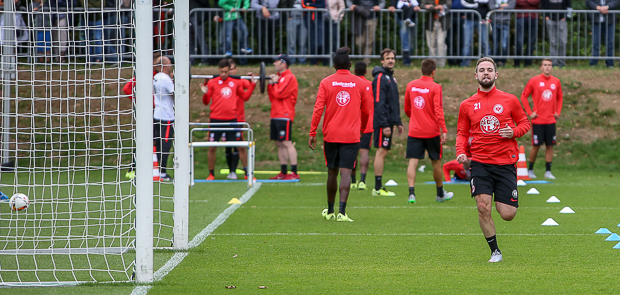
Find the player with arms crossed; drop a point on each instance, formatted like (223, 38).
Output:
(427, 127)
(546, 92)
(491, 115)
(343, 98)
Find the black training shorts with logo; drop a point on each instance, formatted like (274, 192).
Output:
(281, 129)
(382, 141)
(544, 133)
(228, 135)
(365, 141)
(417, 146)
(495, 180)
(340, 155)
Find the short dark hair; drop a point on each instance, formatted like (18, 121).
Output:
(341, 58)
(486, 59)
(232, 62)
(384, 52)
(224, 63)
(428, 66)
(360, 68)
(546, 59)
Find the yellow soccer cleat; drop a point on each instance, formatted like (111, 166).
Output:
(361, 186)
(329, 216)
(382, 192)
(343, 217)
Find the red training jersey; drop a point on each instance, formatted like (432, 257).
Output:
(455, 166)
(368, 88)
(424, 105)
(244, 84)
(344, 98)
(481, 116)
(283, 96)
(547, 97)
(224, 94)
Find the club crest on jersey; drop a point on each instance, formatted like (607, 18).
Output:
(220, 82)
(498, 108)
(489, 124)
(282, 80)
(542, 84)
(552, 86)
(535, 139)
(343, 98)
(547, 94)
(226, 92)
(419, 102)
(231, 84)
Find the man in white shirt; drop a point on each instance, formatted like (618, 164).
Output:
(163, 117)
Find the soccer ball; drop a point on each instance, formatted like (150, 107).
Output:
(19, 202)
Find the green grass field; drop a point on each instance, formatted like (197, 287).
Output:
(279, 240)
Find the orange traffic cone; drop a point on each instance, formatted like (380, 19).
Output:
(155, 165)
(522, 165)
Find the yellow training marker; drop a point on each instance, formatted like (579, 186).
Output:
(234, 201)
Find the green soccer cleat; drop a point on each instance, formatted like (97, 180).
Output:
(354, 185)
(329, 216)
(382, 192)
(411, 199)
(446, 196)
(361, 186)
(343, 217)
(130, 174)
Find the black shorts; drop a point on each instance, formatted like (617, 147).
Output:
(499, 181)
(163, 129)
(417, 146)
(340, 155)
(281, 129)
(365, 141)
(383, 141)
(231, 135)
(543, 134)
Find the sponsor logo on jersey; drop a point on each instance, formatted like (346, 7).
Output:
(547, 94)
(498, 108)
(344, 84)
(226, 92)
(421, 90)
(231, 84)
(552, 86)
(542, 84)
(489, 124)
(343, 98)
(419, 102)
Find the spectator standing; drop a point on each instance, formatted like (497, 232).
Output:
(60, 38)
(197, 20)
(455, 34)
(407, 24)
(501, 28)
(42, 22)
(234, 23)
(603, 28)
(436, 32)
(265, 25)
(316, 25)
(479, 24)
(335, 7)
(526, 33)
(365, 24)
(556, 28)
(296, 31)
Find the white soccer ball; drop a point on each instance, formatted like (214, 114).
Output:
(19, 202)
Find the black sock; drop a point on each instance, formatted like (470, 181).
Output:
(492, 241)
(362, 177)
(531, 166)
(294, 169)
(377, 182)
(234, 162)
(283, 168)
(412, 190)
(548, 166)
(245, 170)
(330, 207)
(212, 172)
(229, 158)
(440, 191)
(343, 207)
(353, 178)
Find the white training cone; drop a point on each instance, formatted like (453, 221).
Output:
(567, 210)
(391, 182)
(550, 222)
(520, 182)
(553, 199)
(533, 191)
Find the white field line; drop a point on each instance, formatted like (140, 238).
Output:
(178, 257)
(390, 234)
(419, 207)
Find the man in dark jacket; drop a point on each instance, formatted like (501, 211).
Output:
(365, 23)
(603, 28)
(556, 28)
(387, 114)
(527, 30)
(197, 20)
(478, 23)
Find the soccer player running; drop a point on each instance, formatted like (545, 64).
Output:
(386, 116)
(163, 115)
(546, 92)
(365, 140)
(427, 128)
(491, 115)
(282, 91)
(343, 98)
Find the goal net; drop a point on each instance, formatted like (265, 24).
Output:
(67, 141)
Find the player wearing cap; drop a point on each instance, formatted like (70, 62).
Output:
(427, 127)
(546, 91)
(494, 119)
(366, 138)
(282, 91)
(343, 98)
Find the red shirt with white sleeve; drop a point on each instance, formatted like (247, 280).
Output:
(424, 105)
(344, 98)
(283, 96)
(481, 116)
(547, 97)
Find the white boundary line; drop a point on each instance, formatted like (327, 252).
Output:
(392, 234)
(421, 207)
(178, 257)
